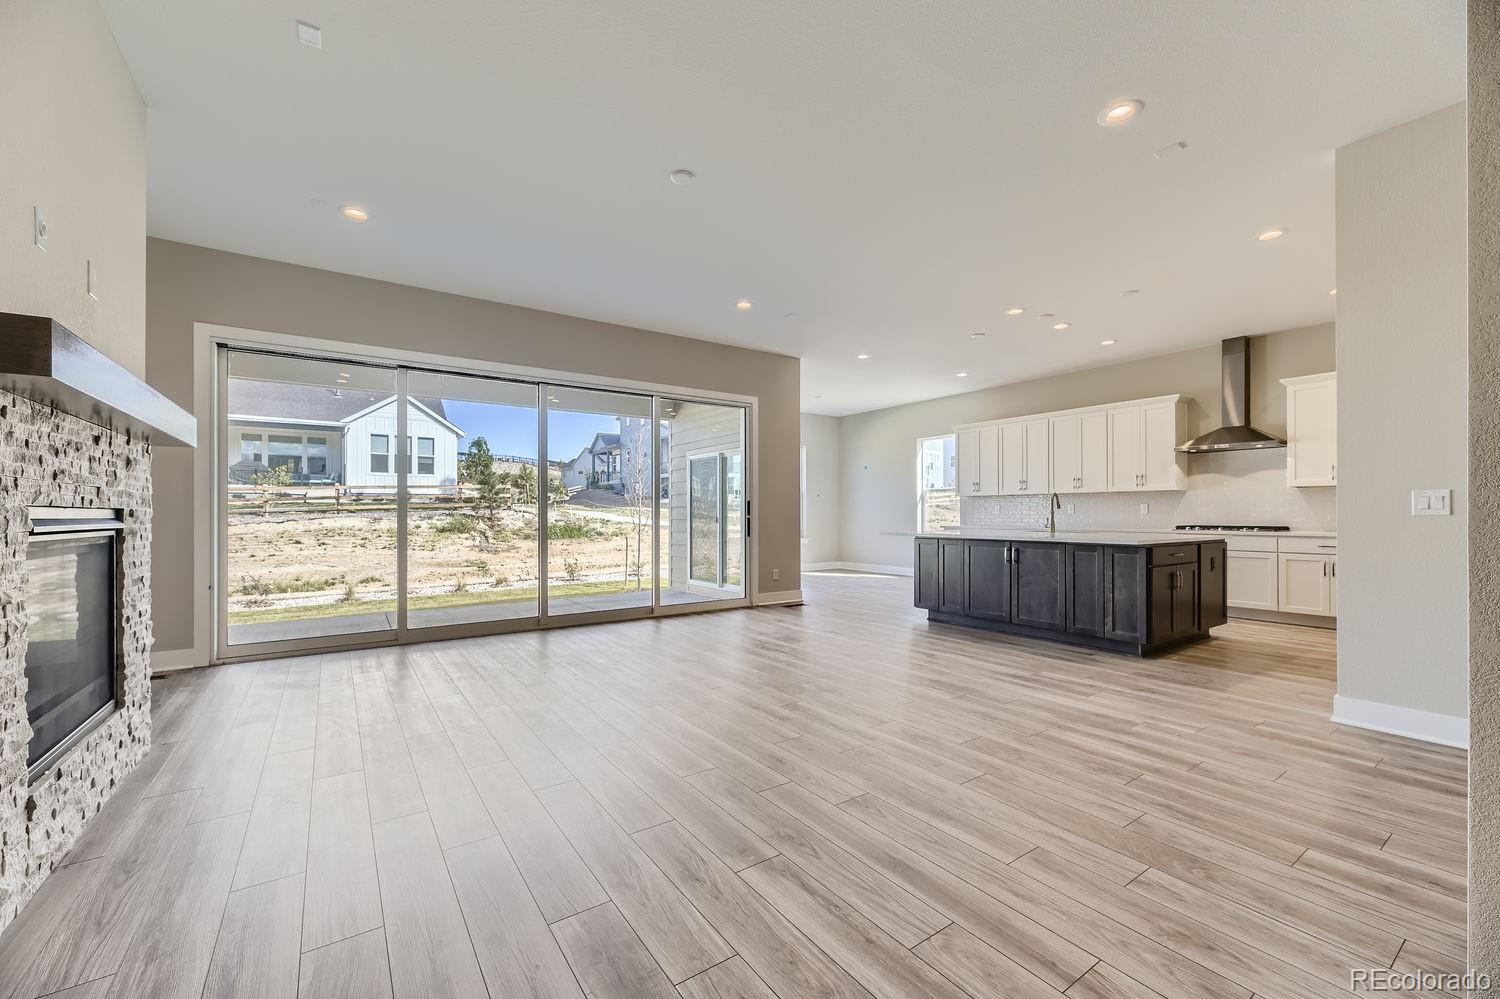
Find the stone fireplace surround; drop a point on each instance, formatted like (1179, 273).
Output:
(48, 458)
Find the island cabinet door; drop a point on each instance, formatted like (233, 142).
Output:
(1125, 587)
(1174, 602)
(925, 574)
(1040, 584)
(1212, 585)
(951, 576)
(988, 585)
(1085, 604)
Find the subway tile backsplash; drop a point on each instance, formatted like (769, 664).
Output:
(1240, 487)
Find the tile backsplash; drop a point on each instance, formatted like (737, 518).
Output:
(1240, 487)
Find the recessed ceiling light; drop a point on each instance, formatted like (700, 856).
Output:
(1130, 292)
(790, 315)
(960, 374)
(1271, 234)
(861, 357)
(682, 178)
(310, 34)
(744, 305)
(1333, 291)
(1120, 112)
(977, 335)
(1061, 326)
(355, 213)
(1044, 315)
(1014, 312)
(1107, 343)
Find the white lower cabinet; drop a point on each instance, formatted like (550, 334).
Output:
(1295, 575)
(1305, 583)
(1250, 579)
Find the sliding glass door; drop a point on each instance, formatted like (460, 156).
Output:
(309, 503)
(362, 503)
(703, 504)
(471, 500)
(600, 515)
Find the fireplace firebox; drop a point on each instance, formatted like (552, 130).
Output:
(73, 628)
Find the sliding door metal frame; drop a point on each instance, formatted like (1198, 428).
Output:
(314, 350)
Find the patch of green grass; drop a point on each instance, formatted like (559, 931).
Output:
(458, 523)
(254, 586)
(572, 530)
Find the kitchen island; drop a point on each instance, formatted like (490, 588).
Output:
(1131, 592)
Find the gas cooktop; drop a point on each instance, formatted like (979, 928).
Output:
(1247, 528)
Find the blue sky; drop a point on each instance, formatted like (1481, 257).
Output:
(512, 429)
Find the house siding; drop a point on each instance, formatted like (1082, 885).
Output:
(692, 434)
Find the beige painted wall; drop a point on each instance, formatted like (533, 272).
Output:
(1402, 245)
(190, 284)
(820, 435)
(74, 142)
(878, 449)
(1484, 479)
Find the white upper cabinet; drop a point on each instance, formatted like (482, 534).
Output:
(1161, 466)
(1143, 446)
(1127, 447)
(1311, 430)
(978, 461)
(1037, 477)
(989, 460)
(1080, 452)
(1024, 460)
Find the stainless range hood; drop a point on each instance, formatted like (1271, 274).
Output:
(1236, 434)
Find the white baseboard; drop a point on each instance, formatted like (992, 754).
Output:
(1428, 726)
(168, 660)
(887, 570)
(778, 598)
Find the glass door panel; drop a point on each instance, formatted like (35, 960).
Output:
(601, 503)
(310, 533)
(471, 503)
(702, 538)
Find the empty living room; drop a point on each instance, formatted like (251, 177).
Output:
(654, 500)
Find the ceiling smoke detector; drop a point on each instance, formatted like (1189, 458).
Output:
(310, 35)
(682, 178)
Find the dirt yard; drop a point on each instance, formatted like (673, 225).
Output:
(330, 562)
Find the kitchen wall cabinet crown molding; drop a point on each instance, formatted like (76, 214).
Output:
(1312, 430)
(1115, 447)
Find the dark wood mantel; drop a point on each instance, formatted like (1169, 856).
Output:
(43, 360)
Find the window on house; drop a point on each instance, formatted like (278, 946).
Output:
(317, 456)
(380, 453)
(426, 456)
(284, 452)
(937, 492)
(253, 449)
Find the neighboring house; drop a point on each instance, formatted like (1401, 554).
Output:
(610, 461)
(328, 435)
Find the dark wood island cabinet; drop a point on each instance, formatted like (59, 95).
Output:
(1135, 593)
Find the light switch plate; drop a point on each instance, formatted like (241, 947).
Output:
(1145, 509)
(1431, 502)
(39, 229)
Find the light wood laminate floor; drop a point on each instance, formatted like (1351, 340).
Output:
(836, 800)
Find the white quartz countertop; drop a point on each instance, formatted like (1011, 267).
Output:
(1076, 537)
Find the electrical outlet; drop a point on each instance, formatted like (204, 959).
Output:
(776, 574)
(93, 284)
(39, 229)
(1145, 509)
(1070, 507)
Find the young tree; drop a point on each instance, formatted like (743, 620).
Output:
(478, 470)
(523, 483)
(639, 483)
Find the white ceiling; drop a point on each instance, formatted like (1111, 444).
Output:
(895, 173)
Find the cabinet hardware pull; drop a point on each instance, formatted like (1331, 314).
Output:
(1325, 569)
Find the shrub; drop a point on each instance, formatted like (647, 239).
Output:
(348, 597)
(572, 530)
(573, 570)
(502, 580)
(369, 579)
(461, 586)
(458, 523)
